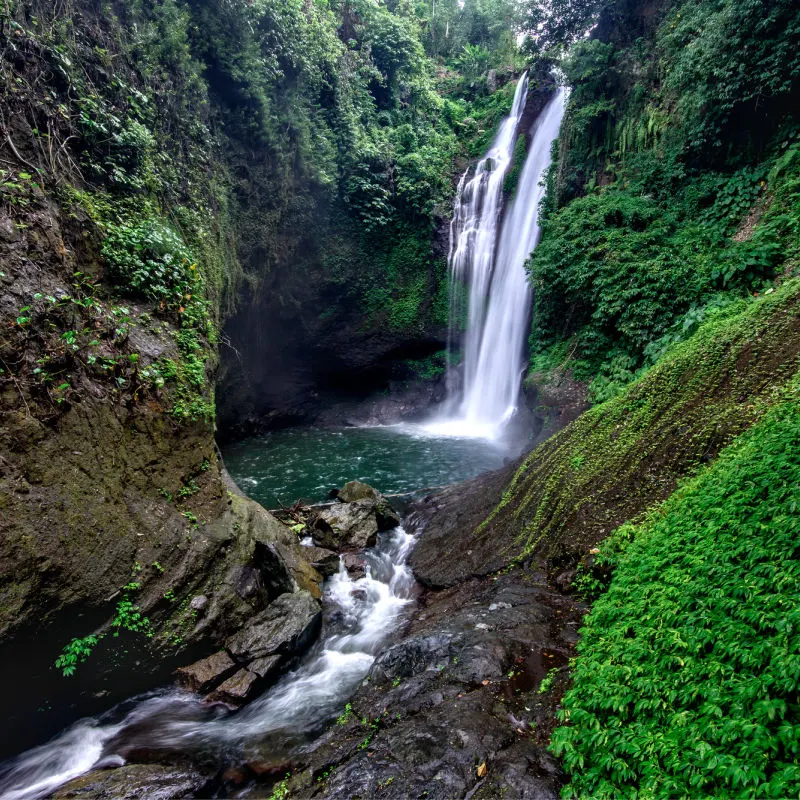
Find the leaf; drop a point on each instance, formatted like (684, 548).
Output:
(482, 770)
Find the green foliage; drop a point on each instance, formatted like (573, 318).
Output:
(345, 716)
(621, 274)
(76, 652)
(548, 680)
(749, 48)
(429, 368)
(518, 162)
(151, 259)
(281, 790)
(127, 616)
(667, 167)
(696, 639)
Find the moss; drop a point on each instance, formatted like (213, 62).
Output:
(512, 176)
(696, 639)
(623, 456)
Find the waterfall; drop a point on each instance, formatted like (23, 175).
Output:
(491, 266)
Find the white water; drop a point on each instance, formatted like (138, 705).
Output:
(359, 616)
(492, 267)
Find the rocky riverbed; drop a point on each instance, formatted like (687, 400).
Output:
(459, 701)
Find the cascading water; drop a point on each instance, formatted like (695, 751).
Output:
(359, 615)
(492, 267)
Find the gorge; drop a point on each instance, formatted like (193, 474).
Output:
(536, 286)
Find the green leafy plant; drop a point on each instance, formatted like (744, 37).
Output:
(76, 652)
(345, 716)
(547, 681)
(696, 638)
(151, 259)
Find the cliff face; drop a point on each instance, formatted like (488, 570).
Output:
(115, 252)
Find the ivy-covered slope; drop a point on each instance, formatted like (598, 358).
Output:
(623, 456)
(687, 678)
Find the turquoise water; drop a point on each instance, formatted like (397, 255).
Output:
(306, 463)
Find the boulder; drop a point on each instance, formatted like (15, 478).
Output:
(206, 673)
(354, 522)
(356, 490)
(265, 667)
(236, 690)
(286, 627)
(326, 562)
(355, 566)
(346, 526)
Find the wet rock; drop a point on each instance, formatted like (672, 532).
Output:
(236, 690)
(326, 562)
(198, 603)
(355, 565)
(354, 521)
(265, 667)
(346, 525)
(206, 673)
(263, 560)
(286, 626)
(136, 782)
(445, 702)
(247, 583)
(447, 551)
(356, 490)
(566, 580)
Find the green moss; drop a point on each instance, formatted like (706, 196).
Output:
(623, 456)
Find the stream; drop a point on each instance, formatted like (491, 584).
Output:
(359, 615)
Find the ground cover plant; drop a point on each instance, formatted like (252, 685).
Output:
(687, 678)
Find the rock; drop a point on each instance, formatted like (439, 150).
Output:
(8, 231)
(326, 562)
(236, 690)
(447, 704)
(287, 626)
(265, 667)
(354, 522)
(566, 580)
(262, 561)
(136, 782)
(198, 603)
(355, 565)
(206, 673)
(346, 525)
(246, 582)
(354, 491)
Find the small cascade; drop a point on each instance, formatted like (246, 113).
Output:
(359, 614)
(491, 266)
